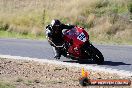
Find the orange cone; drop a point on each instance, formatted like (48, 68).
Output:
(84, 73)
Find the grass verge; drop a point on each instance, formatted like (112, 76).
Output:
(110, 20)
(5, 34)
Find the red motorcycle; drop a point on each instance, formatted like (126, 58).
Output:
(78, 47)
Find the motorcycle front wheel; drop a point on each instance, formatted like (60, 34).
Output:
(96, 55)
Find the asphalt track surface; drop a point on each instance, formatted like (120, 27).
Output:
(117, 57)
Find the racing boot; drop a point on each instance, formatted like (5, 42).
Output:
(57, 57)
(57, 53)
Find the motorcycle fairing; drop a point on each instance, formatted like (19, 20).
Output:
(77, 36)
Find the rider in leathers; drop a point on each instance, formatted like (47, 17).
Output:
(54, 34)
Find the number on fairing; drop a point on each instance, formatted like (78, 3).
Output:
(82, 37)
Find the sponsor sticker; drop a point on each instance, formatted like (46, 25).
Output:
(85, 81)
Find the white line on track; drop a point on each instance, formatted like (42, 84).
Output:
(121, 73)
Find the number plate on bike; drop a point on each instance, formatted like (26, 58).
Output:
(82, 37)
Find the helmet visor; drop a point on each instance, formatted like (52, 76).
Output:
(56, 27)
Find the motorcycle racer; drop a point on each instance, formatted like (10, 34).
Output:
(54, 34)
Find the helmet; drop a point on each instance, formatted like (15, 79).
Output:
(56, 24)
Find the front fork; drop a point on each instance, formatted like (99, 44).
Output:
(87, 48)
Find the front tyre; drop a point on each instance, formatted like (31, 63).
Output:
(97, 56)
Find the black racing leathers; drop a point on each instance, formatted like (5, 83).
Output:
(56, 38)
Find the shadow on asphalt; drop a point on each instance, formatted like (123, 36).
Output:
(110, 63)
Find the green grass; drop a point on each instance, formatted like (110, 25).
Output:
(29, 82)
(6, 85)
(5, 34)
(111, 41)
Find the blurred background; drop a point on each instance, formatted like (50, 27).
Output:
(106, 21)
